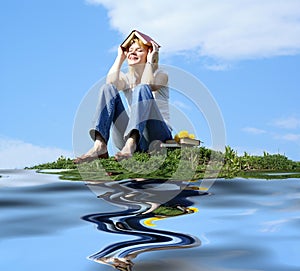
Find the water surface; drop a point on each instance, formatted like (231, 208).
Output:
(49, 224)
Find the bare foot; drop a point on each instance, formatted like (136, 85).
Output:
(127, 151)
(98, 151)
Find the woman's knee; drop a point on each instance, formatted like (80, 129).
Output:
(144, 90)
(144, 87)
(108, 88)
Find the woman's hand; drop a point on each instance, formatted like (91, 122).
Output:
(152, 55)
(122, 53)
(113, 76)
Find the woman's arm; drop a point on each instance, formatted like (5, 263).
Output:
(113, 76)
(160, 80)
(148, 73)
(155, 81)
(148, 77)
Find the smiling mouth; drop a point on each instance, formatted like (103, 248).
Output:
(133, 57)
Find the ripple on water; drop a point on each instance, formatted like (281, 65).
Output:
(241, 225)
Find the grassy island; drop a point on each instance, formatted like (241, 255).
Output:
(182, 163)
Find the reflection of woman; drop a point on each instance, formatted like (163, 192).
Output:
(146, 91)
(140, 203)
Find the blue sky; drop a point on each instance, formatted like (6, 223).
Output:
(53, 52)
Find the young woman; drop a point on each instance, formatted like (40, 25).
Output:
(147, 94)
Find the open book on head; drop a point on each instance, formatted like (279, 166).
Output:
(143, 37)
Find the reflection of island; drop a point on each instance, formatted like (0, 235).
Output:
(142, 202)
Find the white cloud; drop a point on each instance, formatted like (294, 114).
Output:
(18, 154)
(228, 30)
(289, 137)
(217, 67)
(253, 130)
(287, 123)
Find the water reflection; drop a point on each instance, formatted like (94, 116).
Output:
(141, 203)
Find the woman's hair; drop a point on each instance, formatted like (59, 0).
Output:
(140, 43)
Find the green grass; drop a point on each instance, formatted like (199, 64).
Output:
(179, 164)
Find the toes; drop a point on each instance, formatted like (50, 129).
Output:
(121, 156)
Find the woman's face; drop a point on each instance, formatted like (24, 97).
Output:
(136, 54)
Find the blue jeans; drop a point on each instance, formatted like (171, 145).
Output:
(144, 116)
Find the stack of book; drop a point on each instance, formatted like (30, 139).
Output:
(186, 141)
